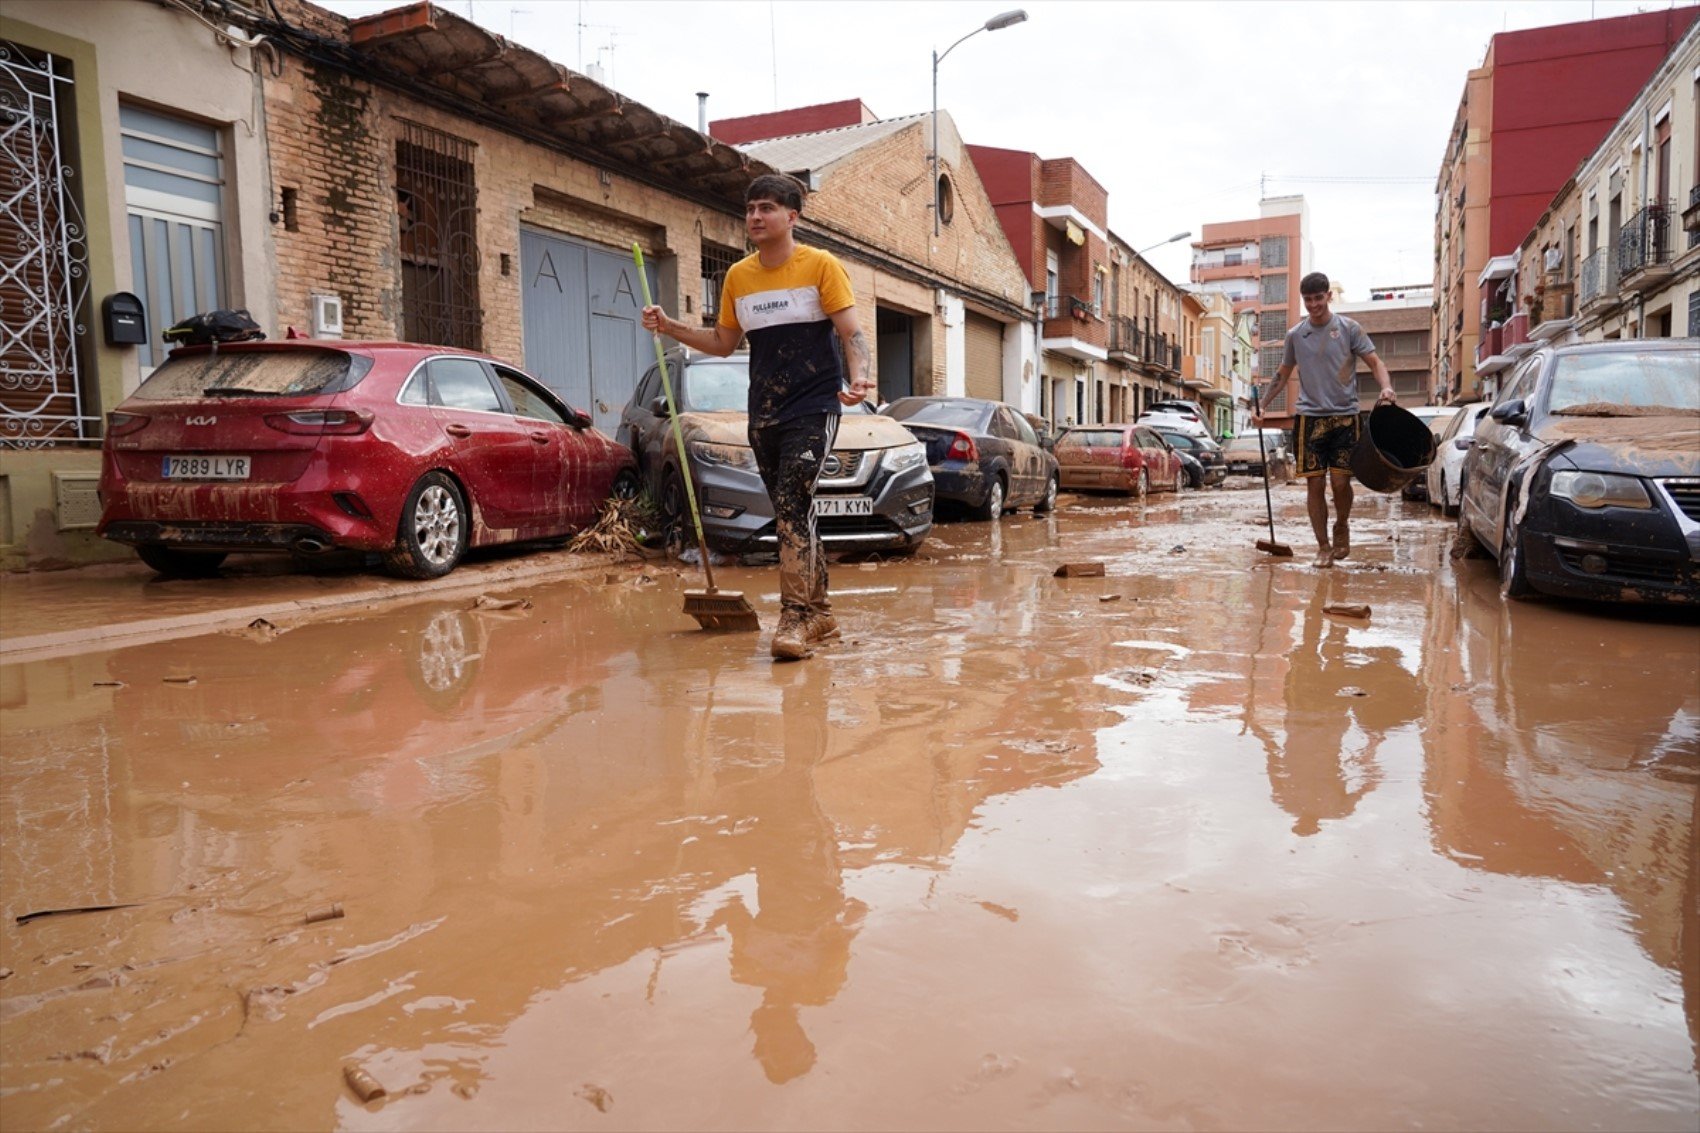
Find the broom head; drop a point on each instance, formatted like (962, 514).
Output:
(1279, 550)
(724, 611)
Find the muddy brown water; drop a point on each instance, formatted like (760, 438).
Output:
(1172, 848)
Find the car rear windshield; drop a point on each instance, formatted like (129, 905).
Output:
(1243, 445)
(1626, 383)
(711, 387)
(257, 373)
(949, 414)
(1091, 438)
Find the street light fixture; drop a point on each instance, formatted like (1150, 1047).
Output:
(996, 23)
(1160, 243)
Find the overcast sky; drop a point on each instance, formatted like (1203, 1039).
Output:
(1178, 109)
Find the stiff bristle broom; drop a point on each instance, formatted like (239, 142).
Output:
(715, 609)
(1268, 546)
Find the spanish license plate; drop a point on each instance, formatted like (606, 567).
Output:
(843, 505)
(205, 468)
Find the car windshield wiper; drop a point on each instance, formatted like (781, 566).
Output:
(237, 391)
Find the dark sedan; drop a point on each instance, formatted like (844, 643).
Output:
(1584, 478)
(984, 455)
(1206, 453)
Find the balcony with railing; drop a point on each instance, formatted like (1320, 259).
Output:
(1124, 339)
(1644, 248)
(1596, 281)
(1072, 329)
(1490, 347)
(1515, 332)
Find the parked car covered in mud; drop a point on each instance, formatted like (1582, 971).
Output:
(1445, 473)
(1584, 478)
(875, 493)
(302, 446)
(984, 454)
(1205, 454)
(1133, 459)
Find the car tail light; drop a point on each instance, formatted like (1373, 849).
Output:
(337, 422)
(118, 424)
(962, 447)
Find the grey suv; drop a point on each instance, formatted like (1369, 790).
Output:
(876, 493)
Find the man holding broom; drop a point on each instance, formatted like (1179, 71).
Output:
(791, 301)
(1325, 349)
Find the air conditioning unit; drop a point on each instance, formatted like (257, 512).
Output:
(327, 316)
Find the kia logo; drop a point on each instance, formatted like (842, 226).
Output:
(203, 420)
(832, 467)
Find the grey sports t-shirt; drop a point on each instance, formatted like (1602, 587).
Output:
(1327, 358)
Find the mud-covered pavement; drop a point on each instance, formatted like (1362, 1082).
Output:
(1173, 848)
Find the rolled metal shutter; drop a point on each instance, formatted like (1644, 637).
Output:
(985, 357)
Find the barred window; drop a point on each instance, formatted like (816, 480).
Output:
(1275, 288)
(1274, 252)
(1269, 359)
(437, 210)
(717, 259)
(1272, 326)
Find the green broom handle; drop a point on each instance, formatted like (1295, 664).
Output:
(673, 415)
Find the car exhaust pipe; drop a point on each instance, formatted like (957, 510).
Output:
(309, 545)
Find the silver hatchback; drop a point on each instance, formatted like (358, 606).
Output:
(875, 494)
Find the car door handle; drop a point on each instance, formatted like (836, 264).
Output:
(540, 437)
(457, 430)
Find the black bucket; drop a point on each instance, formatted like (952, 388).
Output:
(1394, 448)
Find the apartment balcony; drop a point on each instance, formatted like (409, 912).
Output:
(1596, 282)
(1490, 351)
(1691, 216)
(1073, 330)
(1515, 332)
(1644, 249)
(1124, 339)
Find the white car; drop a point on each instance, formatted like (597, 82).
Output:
(1445, 471)
(1437, 418)
(1181, 416)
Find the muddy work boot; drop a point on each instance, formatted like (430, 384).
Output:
(818, 626)
(790, 639)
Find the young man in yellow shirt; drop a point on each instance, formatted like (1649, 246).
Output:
(791, 301)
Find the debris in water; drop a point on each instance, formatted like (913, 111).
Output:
(260, 630)
(1003, 911)
(485, 602)
(39, 913)
(1178, 549)
(185, 681)
(365, 1087)
(5, 973)
(109, 684)
(1109, 597)
(597, 1096)
(1347, 611)
(1079, 570)
(331, 913)
(1352, 690)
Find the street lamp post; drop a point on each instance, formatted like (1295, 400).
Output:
(996, 23)
(1160, 243)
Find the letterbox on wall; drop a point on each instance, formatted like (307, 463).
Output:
(126, 322)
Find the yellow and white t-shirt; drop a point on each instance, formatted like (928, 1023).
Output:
(785, 312)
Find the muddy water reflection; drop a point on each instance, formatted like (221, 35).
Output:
(1012, 855)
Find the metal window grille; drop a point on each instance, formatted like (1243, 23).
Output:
(1272, 326)
(717, 259)
(1269, 359)
(437, 209)
(44, 272)
(1274, 288)
(1273, 252)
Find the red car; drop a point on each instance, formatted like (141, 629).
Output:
(417, 452)
(1120, 458)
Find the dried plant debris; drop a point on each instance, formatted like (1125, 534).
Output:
(624, 527)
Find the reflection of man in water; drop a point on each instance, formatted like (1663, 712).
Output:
(796, 946)
(1313, 776)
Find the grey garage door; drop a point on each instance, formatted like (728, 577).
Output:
(985, 357)
(583, 337)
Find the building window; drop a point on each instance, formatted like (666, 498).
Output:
(947, 199)
(1273, 252)
(717, 259)
(1274, 288)
(1272, 326)
(1051, 278)
(437, 209)
(1098, 294)
(1269, 359)
(174, 201)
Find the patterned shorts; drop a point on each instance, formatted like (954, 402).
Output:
(1325, 442)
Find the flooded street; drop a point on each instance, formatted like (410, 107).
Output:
(1173, 848)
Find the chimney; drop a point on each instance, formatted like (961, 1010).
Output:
(702, 112)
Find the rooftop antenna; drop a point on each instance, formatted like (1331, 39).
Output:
(773, 47)
(581, 26)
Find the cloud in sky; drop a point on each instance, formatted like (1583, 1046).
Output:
(1181, 110)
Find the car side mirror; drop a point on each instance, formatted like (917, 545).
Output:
(658, 406)
(578, 418)
(1513, 412)
(1462, 444)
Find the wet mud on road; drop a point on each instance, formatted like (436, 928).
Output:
(1171, 848)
